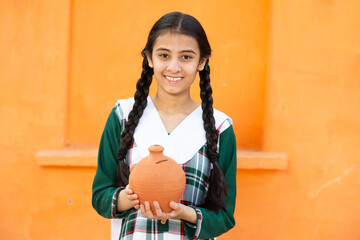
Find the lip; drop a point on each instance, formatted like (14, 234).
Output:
(173, 79)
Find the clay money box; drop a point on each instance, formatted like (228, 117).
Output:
(158, 178)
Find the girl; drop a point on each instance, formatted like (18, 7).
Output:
(198, 138)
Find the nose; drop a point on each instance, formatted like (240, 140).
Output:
(174, 66)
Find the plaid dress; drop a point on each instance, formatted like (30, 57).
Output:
(197, 170)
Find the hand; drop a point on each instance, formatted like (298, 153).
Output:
(132, 197)
(178, 210)
(183, 212)
(145, 210)
(127, 198)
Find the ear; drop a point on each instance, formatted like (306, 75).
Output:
(202, 64)
(150, 61)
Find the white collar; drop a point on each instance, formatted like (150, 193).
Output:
(183, 142)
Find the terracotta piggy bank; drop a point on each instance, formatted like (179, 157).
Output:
(158, 178)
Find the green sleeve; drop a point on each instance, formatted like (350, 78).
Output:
(105, 189)
(212, 224)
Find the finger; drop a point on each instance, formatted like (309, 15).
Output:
(177, 209)
(133, 197)
(142, 209)
(135, 203)
(166, 216)
(173, 214)
(173, 205)
(158, 210)
(131, 167)
(128, 190)
(148, 210)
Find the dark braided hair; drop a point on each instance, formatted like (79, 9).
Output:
(217, 192)
(184, 24)
(140, 97)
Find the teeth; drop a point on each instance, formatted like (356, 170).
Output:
(173, 79)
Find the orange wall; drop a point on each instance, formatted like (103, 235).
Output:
(106, 41)
(312, 114)
(33, 73)
(286, 72)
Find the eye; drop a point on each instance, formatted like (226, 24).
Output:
(187, 57)
(163, 55)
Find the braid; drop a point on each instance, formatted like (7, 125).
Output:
(140, 97)
(217, 192)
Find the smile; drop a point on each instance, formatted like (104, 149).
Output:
(173, 79)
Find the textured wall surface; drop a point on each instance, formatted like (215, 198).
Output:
(312, 114)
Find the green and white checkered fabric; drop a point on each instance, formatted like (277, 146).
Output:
(136, 226)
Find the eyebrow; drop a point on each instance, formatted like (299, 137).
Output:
(183, 51)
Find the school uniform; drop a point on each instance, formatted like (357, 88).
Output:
(186, 144)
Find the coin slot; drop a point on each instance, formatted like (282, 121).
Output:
(161, 161)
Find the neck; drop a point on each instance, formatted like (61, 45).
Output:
(174, 103)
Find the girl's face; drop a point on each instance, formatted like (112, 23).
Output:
(176, 61)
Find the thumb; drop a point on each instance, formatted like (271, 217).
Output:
(131, 167)
(173, 205)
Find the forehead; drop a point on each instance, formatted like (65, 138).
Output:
(176, 42)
